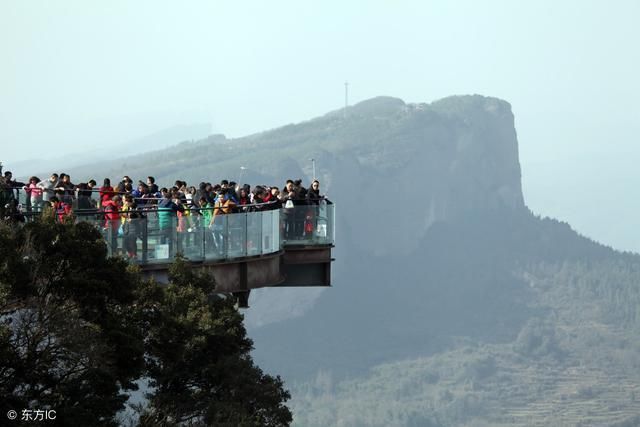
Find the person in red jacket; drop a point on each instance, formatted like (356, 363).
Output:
(111, 208)
(106, 191)
(60, 209)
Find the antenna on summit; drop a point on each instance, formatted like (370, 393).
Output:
(313, 166)
(346, 97)
(242, 169)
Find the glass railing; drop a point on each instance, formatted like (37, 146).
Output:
(159, 237)
(308, 223)
(152, 236)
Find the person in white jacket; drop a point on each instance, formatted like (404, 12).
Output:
(47, 187)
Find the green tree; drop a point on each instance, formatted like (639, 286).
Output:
(78, 329)
(199, 359)
(68, 338)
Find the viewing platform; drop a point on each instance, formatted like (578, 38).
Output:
(243, 251)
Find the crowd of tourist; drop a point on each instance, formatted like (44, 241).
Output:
(180, 207)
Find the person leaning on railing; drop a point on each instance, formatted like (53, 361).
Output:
(258, 198)
(190, 196)
(11, 187)
(111, 208)
(34, 193)
(153, 188)
(84, 195)
(243, 200)
(201, 192)
(313, 193)
(222, 206)
(204, 219)
(288, 211)
(142, 196)
(130, 219)
(47, 187)
(275, 198)
(167, 212)
(313, 200)
(184, 221)
(65, 189)
(300, 213)
(105, 192)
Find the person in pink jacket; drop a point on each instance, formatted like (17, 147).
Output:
(35, 193)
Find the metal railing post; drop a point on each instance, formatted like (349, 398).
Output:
(145, 240)
(261, 237)
(245, 243)
(225, 236)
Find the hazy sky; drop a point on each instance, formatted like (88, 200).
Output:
(76, 74)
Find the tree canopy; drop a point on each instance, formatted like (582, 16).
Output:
(199, 358)
(80, 330)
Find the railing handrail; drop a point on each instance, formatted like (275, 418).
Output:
(76, 189)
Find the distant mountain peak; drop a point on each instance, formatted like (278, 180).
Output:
(476, 102)
(379, 104)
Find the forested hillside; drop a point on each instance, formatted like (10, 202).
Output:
(479, 337)
(452, 303)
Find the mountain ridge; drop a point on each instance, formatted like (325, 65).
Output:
(440, 268)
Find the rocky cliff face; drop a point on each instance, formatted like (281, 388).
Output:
(418, 164)
(395, 170)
